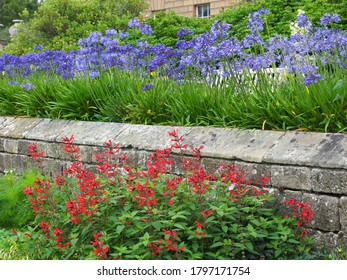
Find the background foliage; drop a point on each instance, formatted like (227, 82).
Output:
(58, 24)
(11, 9)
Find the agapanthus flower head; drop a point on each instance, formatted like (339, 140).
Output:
(183, 32)
(93, 38)
(111, 32)
(329, 18)
(134, 23)
(28, 86)
(123, 35)
(94, 74)
(146, 30)
(221, 27)
(147, 87)
(142, 44)
(38, 47)
(302, 20)
(312, 78)
(255, 21)
(13, 82)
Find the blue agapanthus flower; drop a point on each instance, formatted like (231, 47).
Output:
(147, 87)
(302, 21)
(28, 86)
(329, 18)
(312, 78)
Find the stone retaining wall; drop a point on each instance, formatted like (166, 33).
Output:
(303, 165)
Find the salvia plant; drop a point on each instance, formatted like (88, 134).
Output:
(123, 212)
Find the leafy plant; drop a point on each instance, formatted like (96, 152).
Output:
(130, 213)
(15, 211)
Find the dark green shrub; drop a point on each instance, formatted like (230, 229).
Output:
(14, 209)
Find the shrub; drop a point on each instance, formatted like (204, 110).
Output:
(120, 212)
(58, 24)
(15, 211)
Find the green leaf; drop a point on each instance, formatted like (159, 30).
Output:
(250, 248)
(338, 85)
(291, 240)
(217, 244)
(246, 209)
(179, 225)
(278, 252)
(157, 225)
(225, 229)
(195, 247)
(119, 229)
(337, 97)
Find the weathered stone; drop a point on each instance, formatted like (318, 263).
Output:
(23, 146)
(11, 146)
(148, 138)
(343, 213)
(310, 149)
(329, 181)
(91, 133)
(48, 130)
(246, 145)
(330, 242)
(326, 241)
(284, 195)
(2, 148)
(326, 212)
(290, 177)
(256, 173)
(5, 162)
(5, 123)
(19, 127)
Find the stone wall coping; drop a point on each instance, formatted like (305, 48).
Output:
(311, 149)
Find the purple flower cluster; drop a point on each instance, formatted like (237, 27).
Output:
(302, 20)
(145, 29)
(211, 53)
(328, 19)
(183, 32)
(147, 87)
(255, 20)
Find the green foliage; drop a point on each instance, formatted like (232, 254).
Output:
(4, 36)
(282, 14)
(14, 210)
(12, 9)
(59, 24)
(117, 96)
(166, 25)
(13, 245)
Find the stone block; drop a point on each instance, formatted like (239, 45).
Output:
(148, 138)
(233, 144)
(310, 149)
(343, 213)
(18, 127)
(2, 148)
(284, 195)
(11, 146)
(5, 123)
(91, 133)
(5, 162)
(330, 181)
(291, 177)
(326, 212)
(255, 172)
(48, 130)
